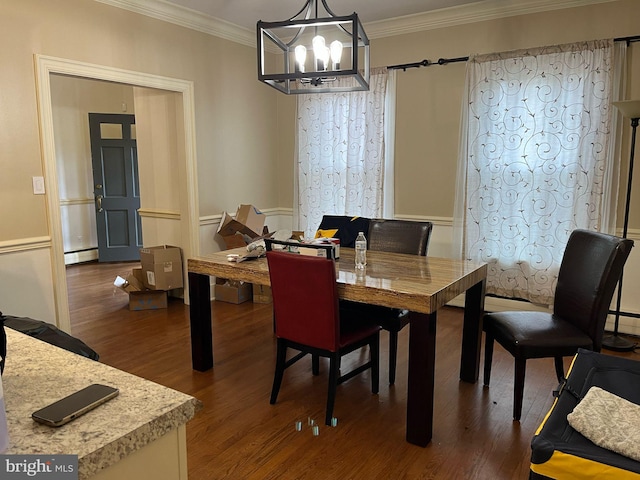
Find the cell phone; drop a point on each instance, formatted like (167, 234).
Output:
(74, 405)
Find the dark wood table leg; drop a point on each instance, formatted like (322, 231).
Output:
(472, 333)
(200, 317)
(422, 358)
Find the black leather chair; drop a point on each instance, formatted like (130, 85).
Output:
(589, 272)
(397, 236)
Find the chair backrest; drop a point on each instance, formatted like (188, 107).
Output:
(344, 227)
(591, 267)
(305, 299)
(399, 236)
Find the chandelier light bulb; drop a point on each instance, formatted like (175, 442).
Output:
(301, 57)
(336, 54)
(326, 55)
(319, 52)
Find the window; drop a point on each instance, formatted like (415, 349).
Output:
(535, 161)
(342, 166)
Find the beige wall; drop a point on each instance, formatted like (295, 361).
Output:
(160, 165)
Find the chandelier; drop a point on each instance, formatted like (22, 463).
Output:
(308, 54)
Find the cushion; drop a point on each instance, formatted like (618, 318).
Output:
(609, 421)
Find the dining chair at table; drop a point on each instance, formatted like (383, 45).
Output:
(589, 272)
(308, 319)
(343, 227)
(395, 236)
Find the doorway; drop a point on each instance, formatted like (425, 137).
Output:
(186, 163)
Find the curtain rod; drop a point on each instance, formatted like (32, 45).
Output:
(444, 61)
(635, 38)
(426, 63)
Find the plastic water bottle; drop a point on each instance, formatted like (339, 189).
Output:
(361, 250)
(4, 433)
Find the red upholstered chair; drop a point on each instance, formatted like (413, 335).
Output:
(308, 319)
(589, 272)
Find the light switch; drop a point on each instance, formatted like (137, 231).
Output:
(38, 185)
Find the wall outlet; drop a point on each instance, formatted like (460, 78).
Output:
(38, 185)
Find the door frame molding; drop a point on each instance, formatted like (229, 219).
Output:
(47, 65)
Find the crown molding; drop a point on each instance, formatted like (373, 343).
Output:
(445, 17)
(185, 17)
(465, 14)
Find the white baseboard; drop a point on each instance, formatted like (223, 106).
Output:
(80, 257)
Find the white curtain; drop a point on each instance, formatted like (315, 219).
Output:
(340, 145)
(612, 174)
(534, 161)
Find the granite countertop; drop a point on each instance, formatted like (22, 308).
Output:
(37, 374)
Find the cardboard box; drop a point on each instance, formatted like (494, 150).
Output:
(239, 231)
(161, 267)
(236, 240)
(140, 298)
(131, 282)
(232, 291)
(262, 294)
(147, 300)
(326, 241)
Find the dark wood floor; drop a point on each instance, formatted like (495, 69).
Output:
(239, 435)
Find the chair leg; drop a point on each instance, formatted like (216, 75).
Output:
(333, 384)
(393, 355)
(559, 369)
(281, 358)
(315, 364)
(374, 355)
(488, 358)
(518, 388)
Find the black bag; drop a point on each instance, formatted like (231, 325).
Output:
(3, 344)
(49, 333)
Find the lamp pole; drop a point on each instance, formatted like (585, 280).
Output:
(613, 341)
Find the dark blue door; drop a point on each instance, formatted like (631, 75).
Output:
(116, 187)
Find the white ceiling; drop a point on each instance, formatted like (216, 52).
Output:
(235, 20)
(245, 13)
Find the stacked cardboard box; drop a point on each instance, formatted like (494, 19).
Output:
(162, 267)
(232, 291)
(238, 231)
(148, 286)
(140, 297)
(241, 230)
(262, 294)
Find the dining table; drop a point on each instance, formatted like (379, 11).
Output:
(419, 284)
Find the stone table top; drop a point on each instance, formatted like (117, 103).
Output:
(37, 374)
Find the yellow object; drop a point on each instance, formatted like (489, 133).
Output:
(329, 233)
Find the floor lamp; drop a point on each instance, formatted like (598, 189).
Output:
(630, 109)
